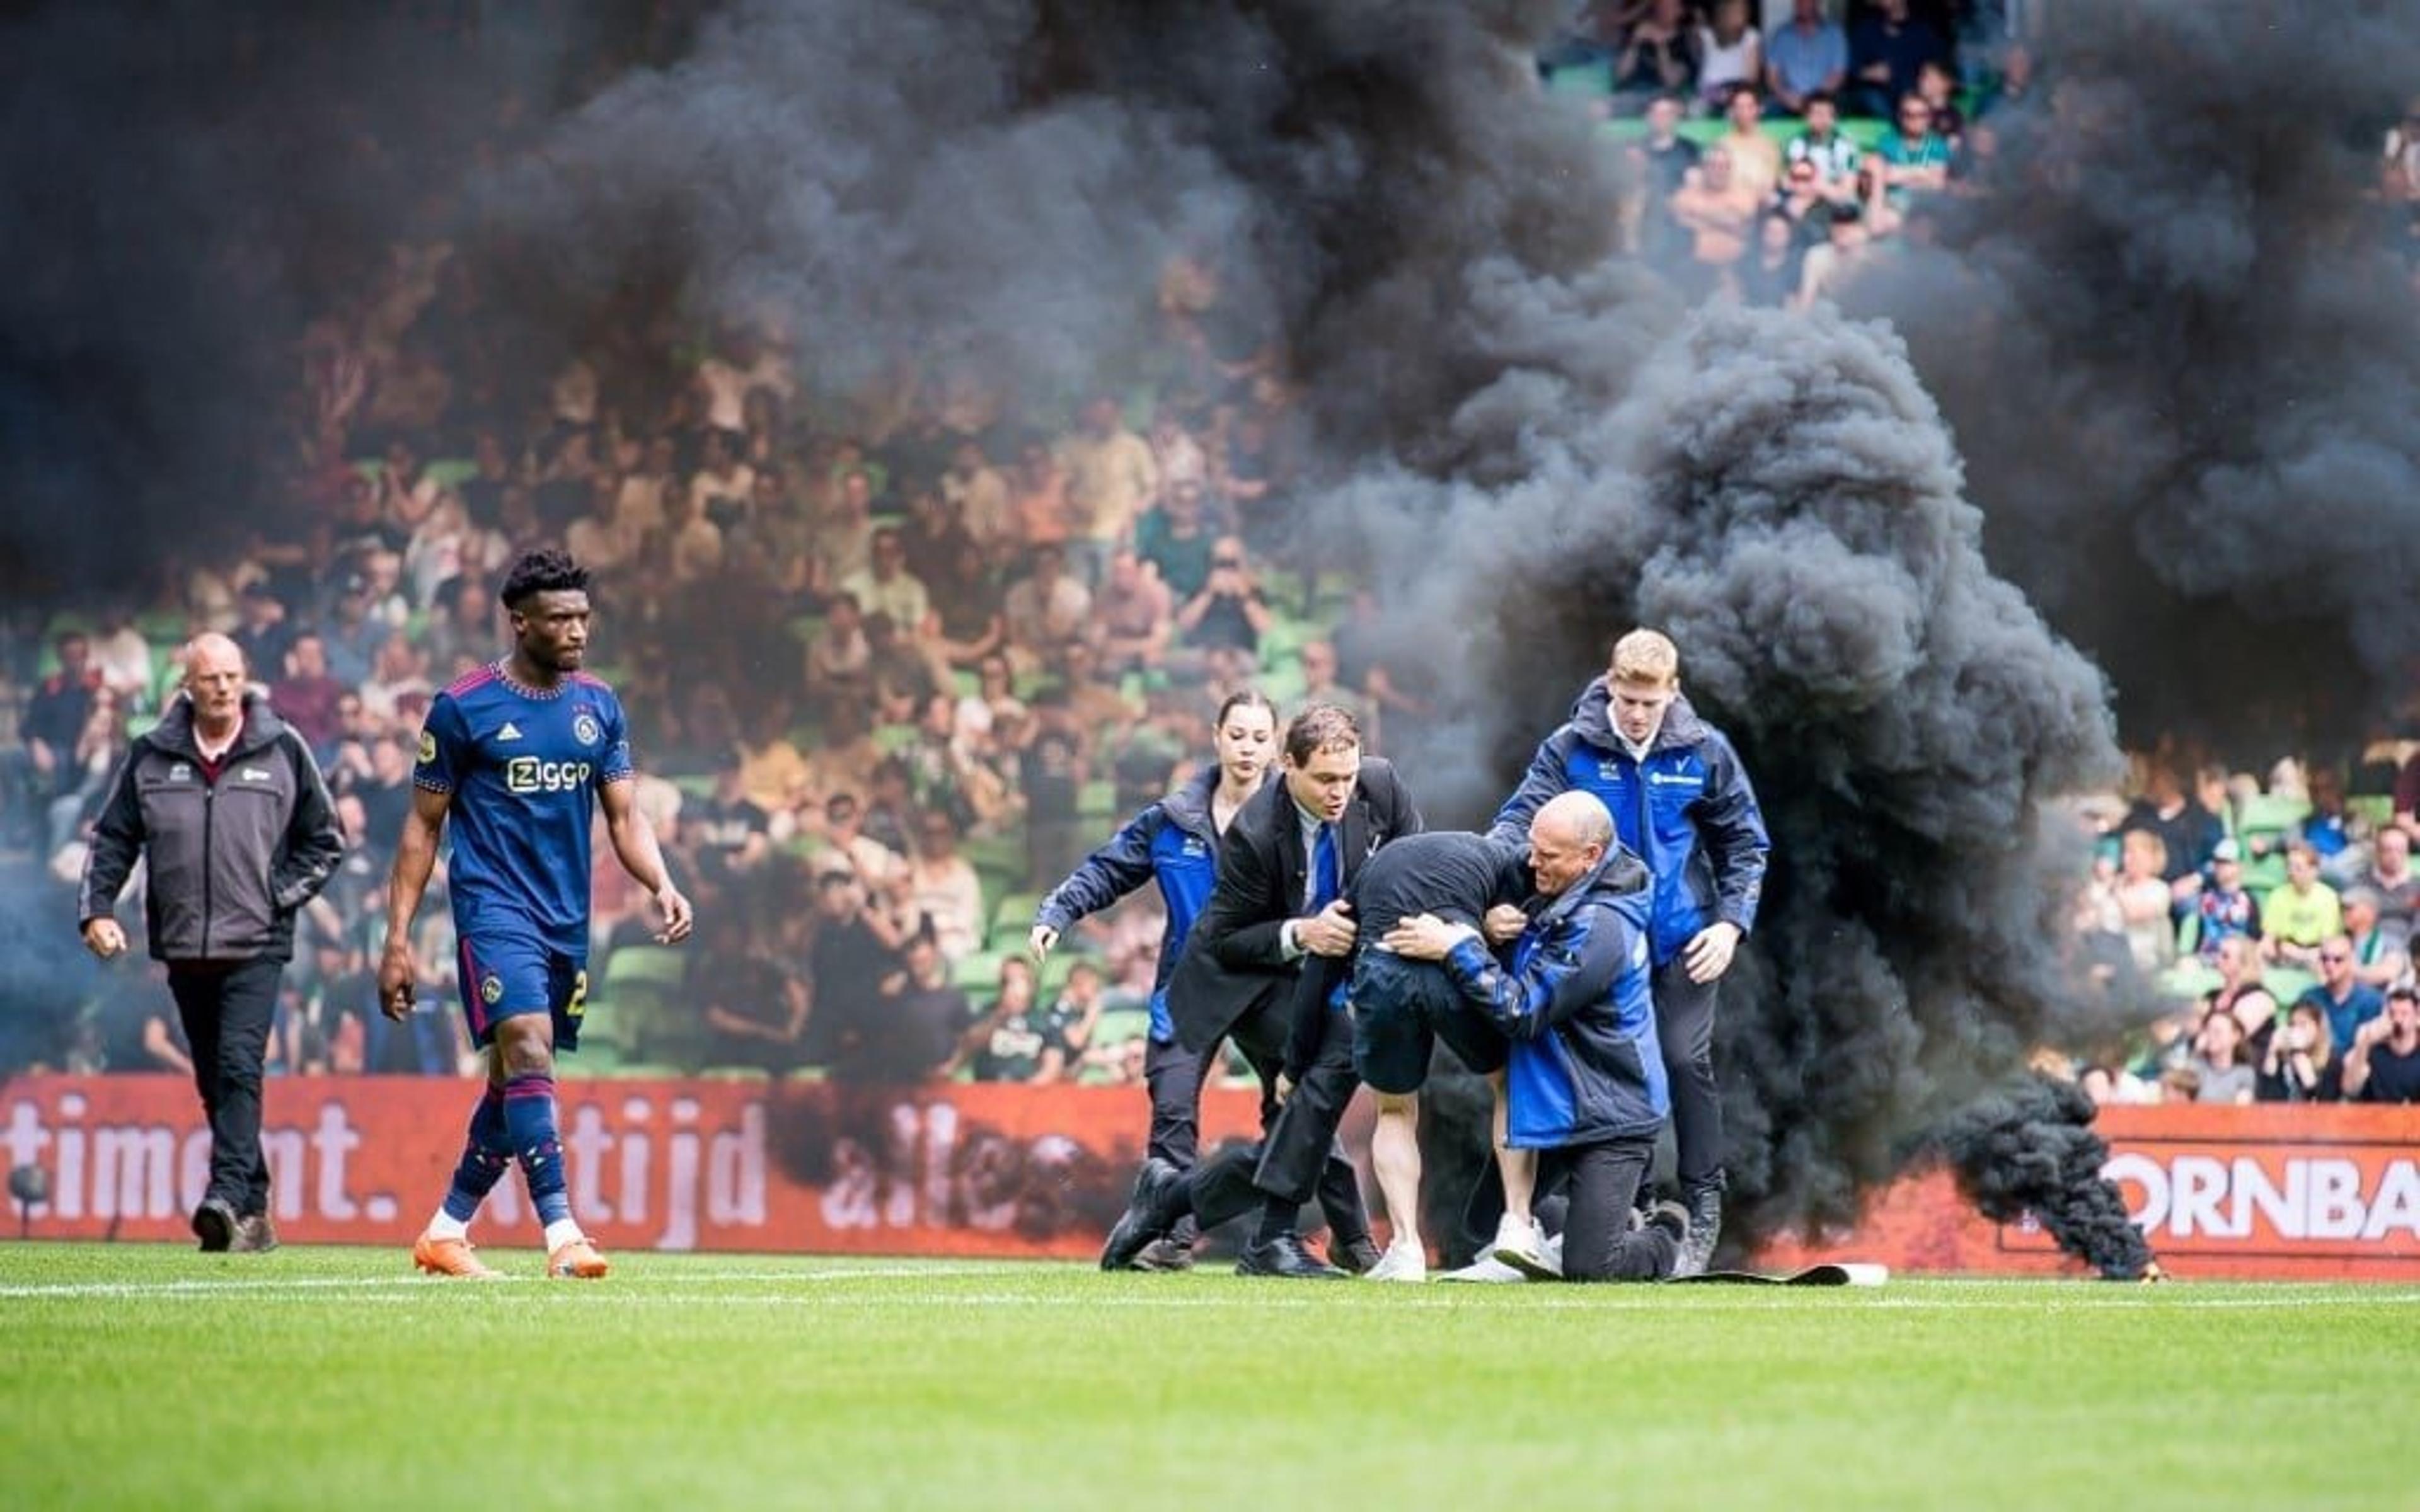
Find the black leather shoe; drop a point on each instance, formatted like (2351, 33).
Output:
(1354, 1255)
(253, 1234)
(214, 1225)
(1148, 1214)
(1284, 1257)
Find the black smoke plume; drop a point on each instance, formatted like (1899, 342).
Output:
(1520, 434)
(2181, 350)
(2030, 1147)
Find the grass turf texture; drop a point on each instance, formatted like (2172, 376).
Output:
(150, 1376)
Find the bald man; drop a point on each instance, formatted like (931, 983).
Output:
(224, 802)
(1583, 1077)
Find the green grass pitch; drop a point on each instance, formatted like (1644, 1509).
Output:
(153, 1377)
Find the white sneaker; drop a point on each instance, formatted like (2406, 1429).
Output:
(1486, 1269)
(1517, 1241)
(1545, 1264)
(1402, 1262)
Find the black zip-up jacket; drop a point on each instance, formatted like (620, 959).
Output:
(232, 860)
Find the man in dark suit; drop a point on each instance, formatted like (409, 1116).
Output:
(1283, 872)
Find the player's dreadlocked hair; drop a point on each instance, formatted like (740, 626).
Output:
(542, 571)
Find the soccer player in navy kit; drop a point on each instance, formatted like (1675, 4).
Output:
(517, 753)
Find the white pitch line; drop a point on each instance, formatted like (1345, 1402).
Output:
(284, 1286)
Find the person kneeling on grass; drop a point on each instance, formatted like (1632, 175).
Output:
(1584, 1077)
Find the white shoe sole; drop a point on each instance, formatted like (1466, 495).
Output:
(1486, 1272)
(1399, 1265)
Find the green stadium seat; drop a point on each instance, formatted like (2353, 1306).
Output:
(656, 965)
(1581, 81)
(1012, 914)
(2188, 980)
(1119, 1024)
(977, 973)
(1098, 798)
(2286, 983)
(891, 739)
(2372, 809)
(2270, 813)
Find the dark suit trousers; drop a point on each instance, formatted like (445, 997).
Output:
(1598, 1242)
(1300, 1156)
(1685, 1031)
(226, 1010)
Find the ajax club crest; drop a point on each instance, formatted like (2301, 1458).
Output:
(586, 730)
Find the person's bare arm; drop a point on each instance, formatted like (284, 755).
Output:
(635, 847)
(415, 857)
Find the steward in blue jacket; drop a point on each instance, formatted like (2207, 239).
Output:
(1681, 803)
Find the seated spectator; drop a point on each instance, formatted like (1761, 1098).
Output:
(386, 792)
(397, 671)
(754, 1013)
(56, 716)
(2220, 1072)
(839, 658)
(2188, 832)
(1715, 208)
(1016, 1038)
(2304, 914)
(845, 537)
(123, 660)
(886, 587)
(1670, 155)
(899, 673)
(1111, 477)
(1832, 154)
(943, 888)
(1039, 501)
(2300, 1065)
(848, 754)
(1046, 610)
(261, 631)
(1730, 55)
(1175, 539)
(1231, 612)
(595, 539)
(969, 617)
(913, 1024)
(86, 769)
(1936, 84)
(1825, 270)
(877, 866)
(1915, 158)
(462, 632)
(724, 484)
(975, 490)
(1052, 770)
(2241, 993)
(2390, 875)
(693, 542)
(855, 949)
(2341, 993)
(1321, 684)
(1804, 210)
(2379, 960)
(2327, 828)
(933, 542)
(1659, 58)
(1095, 702)
(996, 695)
(2011, 88)
(773, 774)
(1808, 58)
(1133, 616)
(2225, 909)
(1886, 50)
(307, 696)
(2383, 1064)
(2144, 900)
(1756, 158)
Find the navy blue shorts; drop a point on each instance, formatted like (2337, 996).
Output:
(1400, 1010)
(509, 973)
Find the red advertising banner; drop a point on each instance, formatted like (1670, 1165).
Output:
(1006, 1170)
(2307, 1193)
(690, 1165)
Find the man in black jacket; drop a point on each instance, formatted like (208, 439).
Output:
(1283, 873)
(226, 803)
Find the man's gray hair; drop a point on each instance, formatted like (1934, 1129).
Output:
(1580, 814)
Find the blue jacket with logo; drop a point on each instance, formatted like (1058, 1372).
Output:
(1171, 841)
(1583, 1065)
(1687, 811)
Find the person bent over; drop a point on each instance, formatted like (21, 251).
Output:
(1584, 1077)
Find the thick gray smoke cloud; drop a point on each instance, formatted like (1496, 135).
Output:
(1526, 442)
(1777, 493)
(2181, 356)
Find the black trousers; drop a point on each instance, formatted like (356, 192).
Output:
(1598, 1242)
(1172, 1074)
(1300, 1156)
(226, 1010)
(1684, 1029)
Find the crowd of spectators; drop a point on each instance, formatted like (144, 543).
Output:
(2272, 925)
(895, 660)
